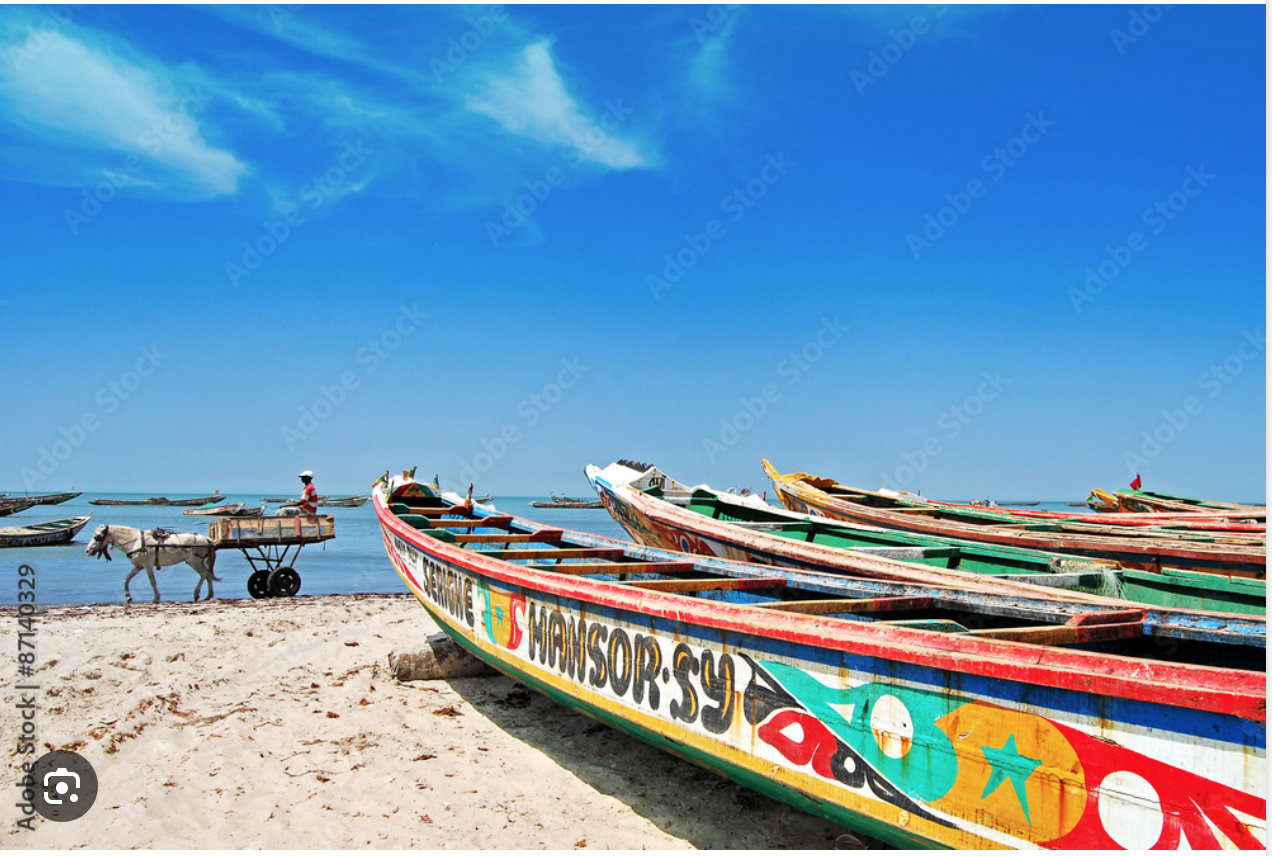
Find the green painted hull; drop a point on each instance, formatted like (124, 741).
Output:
(1174, 588)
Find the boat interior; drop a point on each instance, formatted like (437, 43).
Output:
(1165, 635)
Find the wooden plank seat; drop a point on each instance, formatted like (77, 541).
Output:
(637, 568)
(483, 523)
(849, 606)
(563, 553)
(542, 536)
(1079, 630)
(720, 584)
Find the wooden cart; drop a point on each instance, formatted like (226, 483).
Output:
(269, 541)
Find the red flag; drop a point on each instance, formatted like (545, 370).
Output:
(1135, 485)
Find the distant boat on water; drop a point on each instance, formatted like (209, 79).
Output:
(13, 506)
(39, 534)
(43, 499)
(334, 501)
(566, 502)
(236, 509)
(160, 500)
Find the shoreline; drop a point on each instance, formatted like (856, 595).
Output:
(275, 724)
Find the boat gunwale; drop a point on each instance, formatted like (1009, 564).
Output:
(1214, 689)
(1160, 550)
(669, 514)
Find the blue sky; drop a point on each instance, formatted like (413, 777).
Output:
(1010, 251)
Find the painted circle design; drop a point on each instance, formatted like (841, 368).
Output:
(1130, 810)
(892, 725)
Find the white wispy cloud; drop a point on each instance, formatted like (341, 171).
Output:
(529, 99)
(83, 96)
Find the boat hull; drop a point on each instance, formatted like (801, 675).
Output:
(1247, 558)
(664, 525)
(880, 729)
(33, 536)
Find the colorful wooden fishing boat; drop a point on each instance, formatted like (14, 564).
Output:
(161, 500)
(711, 523)
(13, 506)
(1149, 501)
(40, 534)
(1235, 554)
(55, 498)
(1215, 521)
(234, 509)
(344, 501)
(827, 693)
(566, 502)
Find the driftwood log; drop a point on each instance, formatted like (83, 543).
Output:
(440, 659)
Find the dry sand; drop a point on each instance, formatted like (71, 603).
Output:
(275, 724)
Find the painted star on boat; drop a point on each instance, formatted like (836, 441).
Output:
(1008, 763)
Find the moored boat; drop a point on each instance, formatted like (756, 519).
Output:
(55, 498)
(565, 502)
(230, 510)
(161, 500)
(712, 523)
(40, 534)
(13, 506)
(1237, 554)
(843, 698)
(1150, 501)
(344, 501)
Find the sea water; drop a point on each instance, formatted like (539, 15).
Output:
(353, 562)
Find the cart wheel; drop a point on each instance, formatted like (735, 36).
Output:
(283, 582)
(258, 584)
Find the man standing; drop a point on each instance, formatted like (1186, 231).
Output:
(309, 497)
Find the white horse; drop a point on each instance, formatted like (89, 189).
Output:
(158, 548)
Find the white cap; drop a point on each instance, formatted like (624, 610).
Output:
(307, 474)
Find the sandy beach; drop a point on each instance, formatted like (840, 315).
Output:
(276, 724)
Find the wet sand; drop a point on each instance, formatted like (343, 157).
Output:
(276, 724)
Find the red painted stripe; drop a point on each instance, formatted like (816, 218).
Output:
(1223, 691)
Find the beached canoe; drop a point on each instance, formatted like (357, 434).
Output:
(40, 534)
(1235, 554)
(1214, 521)
(1149, 501)
(711, 523)
(844, 698)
